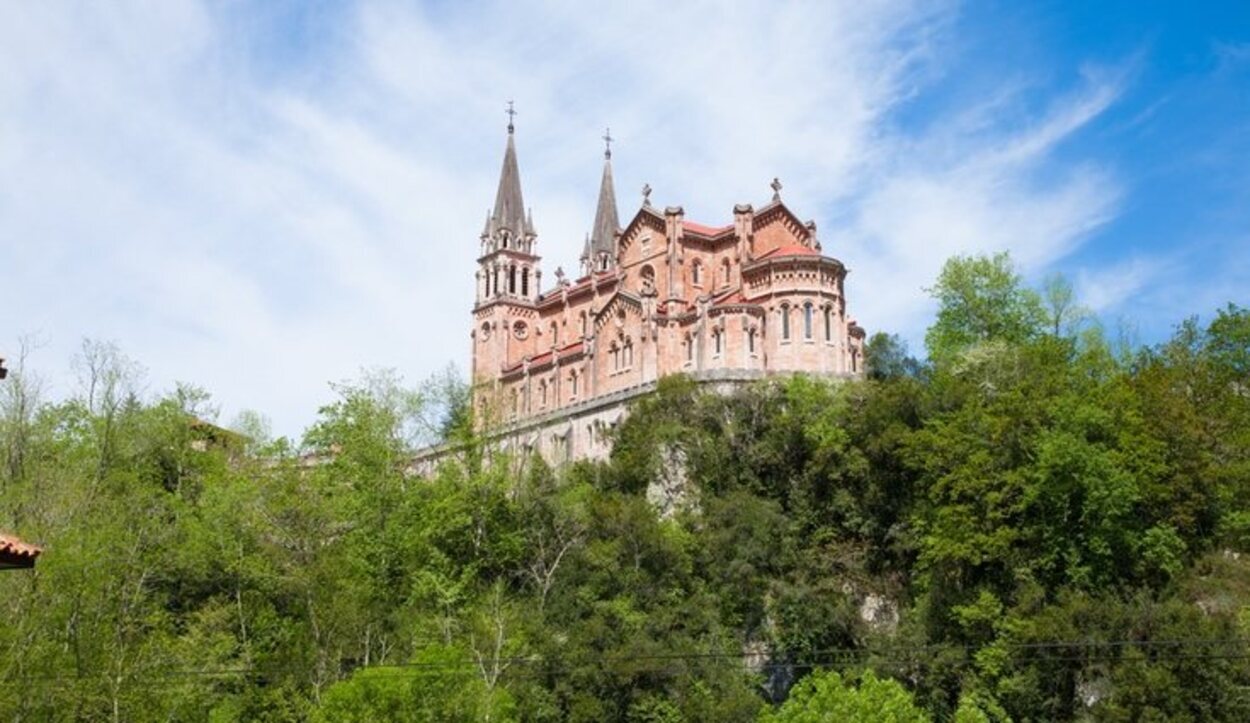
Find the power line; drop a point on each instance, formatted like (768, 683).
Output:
(524, 666)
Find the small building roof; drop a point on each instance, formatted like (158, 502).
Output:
(17, 554)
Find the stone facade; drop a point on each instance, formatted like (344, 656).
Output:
(552, 369)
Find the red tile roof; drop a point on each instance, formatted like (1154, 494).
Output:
(15, 553)
(705, 230)
(792, 250)
(574, 348)
(729, 299)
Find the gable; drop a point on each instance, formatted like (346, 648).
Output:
(776, 227)
(622, 304)
(646, 221)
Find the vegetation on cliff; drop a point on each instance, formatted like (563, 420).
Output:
(1033, 524)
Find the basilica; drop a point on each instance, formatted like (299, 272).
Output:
(554, 367)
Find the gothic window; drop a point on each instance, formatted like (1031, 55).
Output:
(511, 279)
(751, 341)
(542, 394)
(582, 318)
(616, 357)
(696, 274)
(495, 285)
(525, 282)
(785, 322)
(689, 348)
(555, 333)
(807, 320)
(717, 340)
(628, 353)
(516, 403)
(573, 383)
(724, 275)
(828, 324)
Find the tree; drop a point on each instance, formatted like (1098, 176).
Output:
(886, 357)
(980, 299)
(825, 696)
(1063, 312)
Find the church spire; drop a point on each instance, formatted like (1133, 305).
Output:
(509, 213)
(607, 223)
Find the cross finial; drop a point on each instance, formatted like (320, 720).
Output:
(511, 112)
(607, 143)
(776, 186)
(646, 194)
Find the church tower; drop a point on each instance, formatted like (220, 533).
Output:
(599, 253)
(508, 275)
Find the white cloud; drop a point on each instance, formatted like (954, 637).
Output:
(262, 237)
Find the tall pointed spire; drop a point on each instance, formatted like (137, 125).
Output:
(509, 210)
(607, 223)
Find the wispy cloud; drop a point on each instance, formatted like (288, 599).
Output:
(263, 236)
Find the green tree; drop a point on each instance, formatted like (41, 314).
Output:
(826, 696)
(981, 299)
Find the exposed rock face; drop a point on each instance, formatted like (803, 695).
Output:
(1091, 691)
(669, 492)
(879, 613)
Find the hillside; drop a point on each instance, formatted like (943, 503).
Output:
(1034, 524)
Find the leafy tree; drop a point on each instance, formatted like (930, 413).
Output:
(886, 357)
(826, 696)
(981, 299)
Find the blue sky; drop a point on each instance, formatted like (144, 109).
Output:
(261, 198)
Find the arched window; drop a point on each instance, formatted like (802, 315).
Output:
(495, 285)
(717, 342)
(724, 272)
(616, 357)
(511, 279)
(555, 333)
(542, 393)
(696, 274)
(689, 348)
(525, 282)
(648, 279)
(573, 383)
(751, 341)
(828, 324)
(807, 320)
(785, 322)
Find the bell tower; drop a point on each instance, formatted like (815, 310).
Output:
(508, 275)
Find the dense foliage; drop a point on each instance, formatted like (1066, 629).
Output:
(1033, 526)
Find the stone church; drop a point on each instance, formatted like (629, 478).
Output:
(554, 368)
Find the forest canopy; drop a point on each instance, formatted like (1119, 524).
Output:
(1033, 523)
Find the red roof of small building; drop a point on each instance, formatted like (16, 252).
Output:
(15, 553)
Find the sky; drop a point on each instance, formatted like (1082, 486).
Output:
(263, 198)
